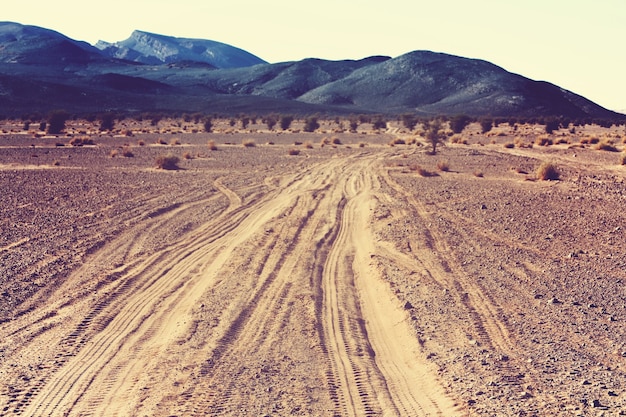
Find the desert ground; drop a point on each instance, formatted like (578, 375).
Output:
(313, 274)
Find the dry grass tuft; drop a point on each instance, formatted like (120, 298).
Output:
(248, 143)
(308, 145)
(168, 162)
(547, 171)
(127, 153)
(478, 174)
(421, 171)
(212, 145)
(543, 141)
(294, 152)
(443, 166)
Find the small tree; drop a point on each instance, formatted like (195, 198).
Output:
(379, 123)
(208, 125)
(435, 134)
(354, 124)
(56, 121)
(409, 121)
(270, 122)
(486, 125)
(311, 124)
(459, 123)
(107, 121)
(285, 122)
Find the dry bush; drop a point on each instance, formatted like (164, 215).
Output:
(509, 145)
(325, 141)
(127, 153)
(141, 143)
(543, 141)
(362, 145)
(421, 171)
(161, 141)
(443, 166)
(113, 153)
(308, 145)
(606, 146)
(547, 171)
(212, 145)
(294, 152)
(81, 141)
(187, 155)
(248, 143)
(478, 174)
(174, 142)
(399, 141)
(169, 162)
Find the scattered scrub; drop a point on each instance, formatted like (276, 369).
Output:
(248, 143)
(606, 146)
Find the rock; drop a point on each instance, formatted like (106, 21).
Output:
(408, 306)
(554, 300)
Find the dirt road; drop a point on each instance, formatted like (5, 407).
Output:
(275, 306)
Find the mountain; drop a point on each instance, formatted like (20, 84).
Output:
(153, 49)
(41, 70)
(32, 45)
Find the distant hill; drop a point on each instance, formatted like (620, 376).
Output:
(42, 70)
(153, 49)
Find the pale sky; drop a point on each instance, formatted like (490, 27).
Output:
(576, 44)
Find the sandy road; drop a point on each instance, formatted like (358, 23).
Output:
(274, 307)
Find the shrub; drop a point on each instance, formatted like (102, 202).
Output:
(336, 141)
(169, 162)
(509, 145)
(107, 121)
(127, 153)
(294, 152)
(248, 143)
(478, 174)
(459, 123)
(208, 125)
(308, 145)
(187, 155)
(543, 141)
(398, 141)
(622, 158)
(212, 145)
(174, 142)
(547, 171)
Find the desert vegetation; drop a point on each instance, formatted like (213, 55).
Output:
(503, 292)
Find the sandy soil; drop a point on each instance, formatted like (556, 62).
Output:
(335, 282)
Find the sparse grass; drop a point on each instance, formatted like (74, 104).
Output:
(547, 171)
(248, 143)
(443, 166)
(168, 162)
(212, 145)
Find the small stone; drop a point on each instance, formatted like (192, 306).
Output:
(483, 207)
(585, 382)
(408, 306)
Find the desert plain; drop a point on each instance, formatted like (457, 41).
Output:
(312, 274)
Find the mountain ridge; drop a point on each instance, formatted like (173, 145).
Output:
(151, 72)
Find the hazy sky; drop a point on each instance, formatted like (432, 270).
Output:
(576, 44)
